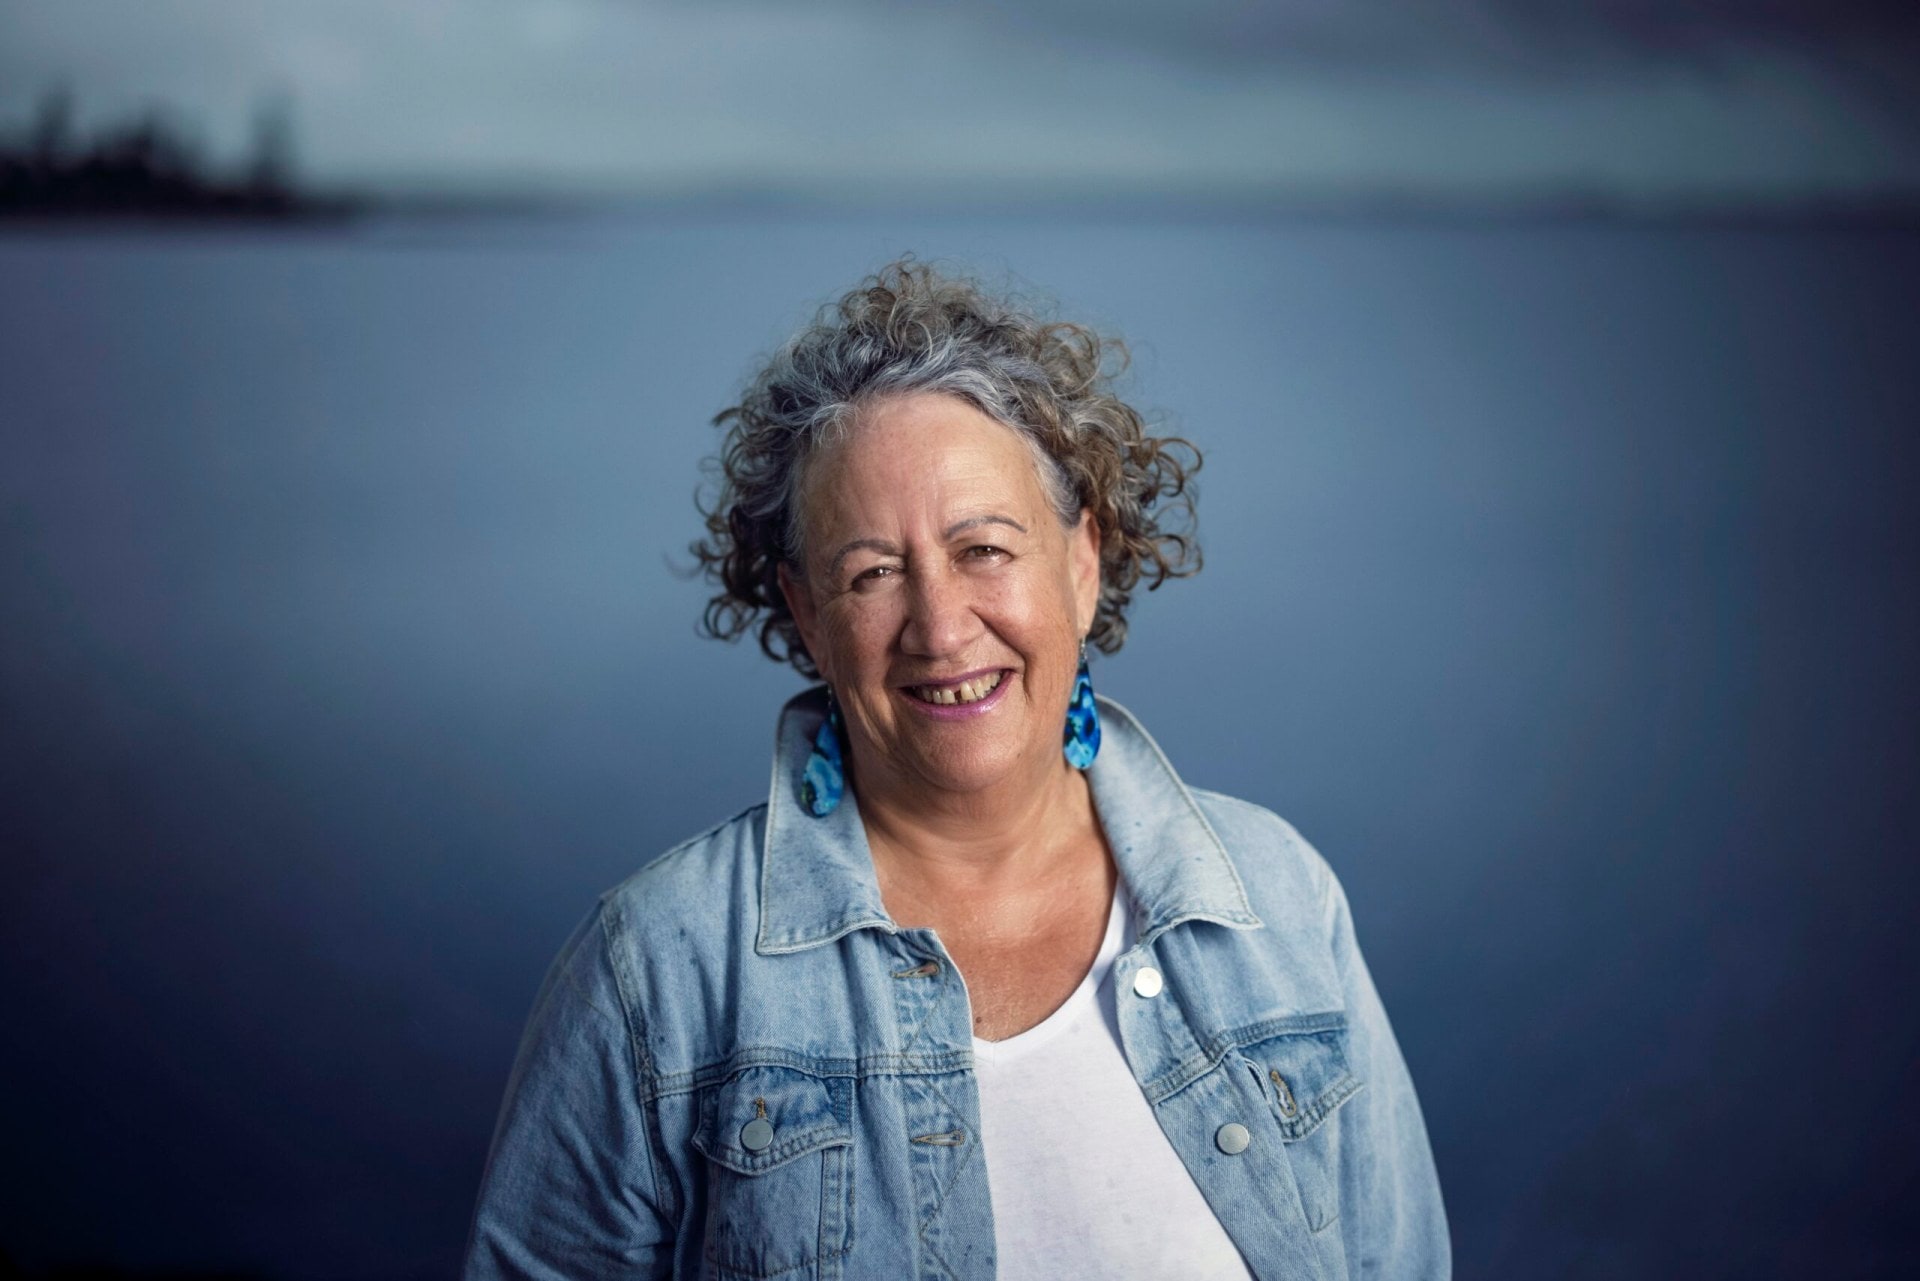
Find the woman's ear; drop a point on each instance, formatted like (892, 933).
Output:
(799, 598)
(1083, 560)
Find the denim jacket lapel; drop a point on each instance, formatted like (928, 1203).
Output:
(816, 874)
(817, 881)
(1173, 862)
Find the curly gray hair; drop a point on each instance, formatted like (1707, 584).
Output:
(910, 329)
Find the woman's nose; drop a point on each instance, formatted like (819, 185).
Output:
(940, 618)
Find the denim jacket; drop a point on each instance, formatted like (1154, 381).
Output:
(740, 1067)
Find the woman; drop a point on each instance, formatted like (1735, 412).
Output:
(982, 988)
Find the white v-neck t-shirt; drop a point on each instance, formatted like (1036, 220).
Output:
(1083, 1180)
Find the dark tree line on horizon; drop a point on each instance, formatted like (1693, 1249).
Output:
(148, 168)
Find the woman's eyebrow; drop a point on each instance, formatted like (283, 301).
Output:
(880, 545)
(886, 548)
(974, 522)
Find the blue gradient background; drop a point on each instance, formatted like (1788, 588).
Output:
(1560, 588)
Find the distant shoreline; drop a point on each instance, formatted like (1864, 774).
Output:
(221, 211)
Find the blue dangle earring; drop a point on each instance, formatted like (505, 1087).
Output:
(1083, 719)
(825, 779)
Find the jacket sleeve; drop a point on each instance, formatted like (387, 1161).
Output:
(570, 1188)
(1391, 1217)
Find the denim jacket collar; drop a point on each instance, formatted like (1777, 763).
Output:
(816, 874)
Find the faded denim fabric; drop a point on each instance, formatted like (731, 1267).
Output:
(739, 1067)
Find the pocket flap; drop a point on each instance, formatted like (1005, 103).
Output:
(1305, 1077)
(763, 1117)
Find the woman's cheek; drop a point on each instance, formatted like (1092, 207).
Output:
(860, 629)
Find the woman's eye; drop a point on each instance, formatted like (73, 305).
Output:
(872, 574)
(985, 551)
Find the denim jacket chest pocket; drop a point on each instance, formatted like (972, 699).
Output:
(1305, 1077)
(778, 1144)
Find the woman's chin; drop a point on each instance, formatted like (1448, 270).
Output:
(975, 768)
(951, 750)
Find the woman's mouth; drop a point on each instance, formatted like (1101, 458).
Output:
(958, 693)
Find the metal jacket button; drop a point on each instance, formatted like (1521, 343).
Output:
(1147, 982)
(757, 1134)
(1232, 1138)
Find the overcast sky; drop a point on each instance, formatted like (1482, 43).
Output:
(1633, 100)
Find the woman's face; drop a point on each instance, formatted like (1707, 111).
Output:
(943, 601)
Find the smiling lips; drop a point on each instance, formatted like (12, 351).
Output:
(969, 690)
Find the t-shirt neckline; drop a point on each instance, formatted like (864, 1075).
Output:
(997, 1053)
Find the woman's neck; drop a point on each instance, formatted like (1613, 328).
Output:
(1004, 840)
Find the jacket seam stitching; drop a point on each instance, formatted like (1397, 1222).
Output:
(625, 987)
(1215, 1052)
(944, 1064)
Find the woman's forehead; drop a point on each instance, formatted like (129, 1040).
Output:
(925, 458)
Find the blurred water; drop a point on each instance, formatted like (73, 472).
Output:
(1559, 587)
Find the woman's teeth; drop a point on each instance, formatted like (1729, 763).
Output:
(965, 692)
